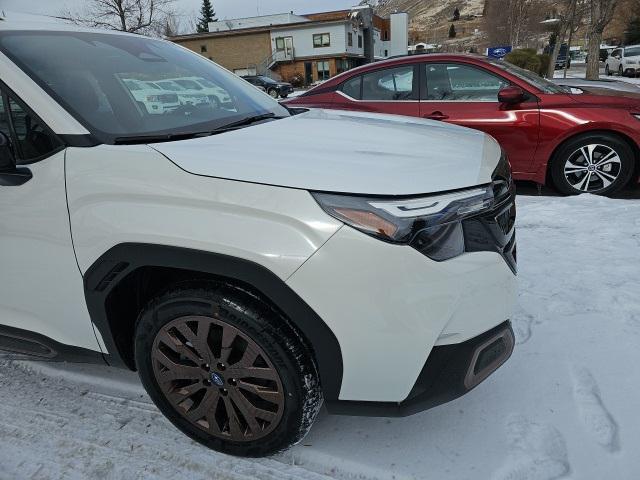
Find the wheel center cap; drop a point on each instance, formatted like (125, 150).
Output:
(591, 168)
(217, 379)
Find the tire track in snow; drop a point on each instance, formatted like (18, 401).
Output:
(595, 416)
(53, 428)
(538, 452)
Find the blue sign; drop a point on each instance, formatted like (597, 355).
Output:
(498, 52)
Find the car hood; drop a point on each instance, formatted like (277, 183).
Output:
(348, 152)
(606, 96)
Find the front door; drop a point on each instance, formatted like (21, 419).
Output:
(288, 48)
(308, 73)
(468, 96)
(41, 288)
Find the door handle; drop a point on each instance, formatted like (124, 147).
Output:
(436, 116)
(15, 178)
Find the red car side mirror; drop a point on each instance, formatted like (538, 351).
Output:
(511, 95)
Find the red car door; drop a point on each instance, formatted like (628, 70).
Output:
(467, 95)
(392, 90)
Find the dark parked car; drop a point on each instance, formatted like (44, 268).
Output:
(273, 88)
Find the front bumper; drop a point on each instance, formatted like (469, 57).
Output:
(450, 372)
(389, 306)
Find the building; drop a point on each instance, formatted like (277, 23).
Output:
(301, 48)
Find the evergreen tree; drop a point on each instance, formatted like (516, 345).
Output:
(456, 15)
(452, 31)
(632, 33)
(207, 14)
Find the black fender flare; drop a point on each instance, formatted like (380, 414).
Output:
(121, 260)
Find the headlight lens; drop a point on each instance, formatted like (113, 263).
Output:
(637, 115)
(432, 224)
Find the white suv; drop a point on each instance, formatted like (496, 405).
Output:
(624, 61)
(248, 262)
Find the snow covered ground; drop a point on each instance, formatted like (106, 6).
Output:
(565, 405)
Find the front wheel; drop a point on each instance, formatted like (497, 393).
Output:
(273, 92)
(227, 370)
(620, 71)
(598, 163)
(607, 71)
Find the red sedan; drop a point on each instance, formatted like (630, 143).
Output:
(583, 140)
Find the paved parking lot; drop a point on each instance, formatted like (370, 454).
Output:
(564, 406)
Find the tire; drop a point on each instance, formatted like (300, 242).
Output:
(267, 368)
(607, 71)
(273, 93)
(573, 173)
(620, 71)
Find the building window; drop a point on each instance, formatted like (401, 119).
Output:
(350, 39)
(359, 41)
(323, 70)
(342, 65)
(321, 40)
(280, 43)
(203, 48)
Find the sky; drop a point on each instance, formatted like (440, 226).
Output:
(224, 8)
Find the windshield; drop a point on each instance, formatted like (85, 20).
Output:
(268, 80)
(104, 80)
(632, 52)
(540, 83)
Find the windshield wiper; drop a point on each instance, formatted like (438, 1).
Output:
(245, 122)
(170, 137)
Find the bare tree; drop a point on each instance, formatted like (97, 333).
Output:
(600, 14)
(134, 16)
(566, 18)
(512, 22)
(518, 16)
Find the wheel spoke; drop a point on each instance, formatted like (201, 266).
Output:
(178, 347)
(584, 183)
(248, 411)
(176, 371)
(610, 157)
(587, 153)
(605, 182)
(571, 167)
(182, 393)
(228, 336)
(199, 340)
(252, 372)
(263, 392)
(234, 422)
(207, 404)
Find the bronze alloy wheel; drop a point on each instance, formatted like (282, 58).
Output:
(217, 378)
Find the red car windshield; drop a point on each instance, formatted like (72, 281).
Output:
(540, 83)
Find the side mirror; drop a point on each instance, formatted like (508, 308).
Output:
(511, 95)
(7, 160)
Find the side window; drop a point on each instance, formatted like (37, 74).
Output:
(389, 84)
(456, 82)
(351, 88)
(33, 140)
(4, 118)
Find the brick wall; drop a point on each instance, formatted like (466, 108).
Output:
(233, 51)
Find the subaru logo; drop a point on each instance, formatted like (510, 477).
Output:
(217, 379)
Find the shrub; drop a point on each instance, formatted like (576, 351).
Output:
(296, 80)
(529, 59)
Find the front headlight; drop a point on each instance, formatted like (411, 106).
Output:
(637, 115)
(432, 224)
